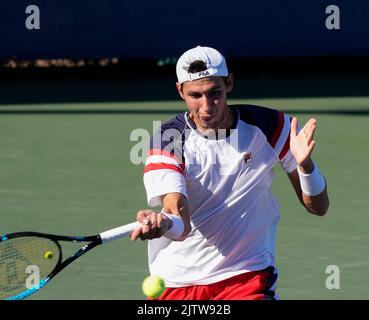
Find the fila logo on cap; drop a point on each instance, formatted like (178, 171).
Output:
(204, 73)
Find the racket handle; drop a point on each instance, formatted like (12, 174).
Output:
(120, 232)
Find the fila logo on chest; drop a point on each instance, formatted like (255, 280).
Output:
(247, 157)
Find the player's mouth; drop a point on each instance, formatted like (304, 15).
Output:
(206, 118)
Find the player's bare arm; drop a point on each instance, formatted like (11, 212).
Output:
(302, 145)
(176, 204)
(156, 224)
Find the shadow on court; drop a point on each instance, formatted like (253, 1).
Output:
(137, 80)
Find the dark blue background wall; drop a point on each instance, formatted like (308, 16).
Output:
(151, 29)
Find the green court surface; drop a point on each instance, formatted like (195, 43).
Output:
(66, 169)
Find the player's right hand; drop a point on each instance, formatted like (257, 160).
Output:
(153, 225)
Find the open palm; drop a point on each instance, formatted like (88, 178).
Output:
(302, 143)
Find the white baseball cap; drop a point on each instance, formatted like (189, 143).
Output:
(215, 63)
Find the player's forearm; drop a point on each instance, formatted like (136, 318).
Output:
(311, 180)
(176, 203)
(318, 204)
(312, 194)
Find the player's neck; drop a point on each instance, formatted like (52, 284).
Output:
(228, 121)
(222, 129)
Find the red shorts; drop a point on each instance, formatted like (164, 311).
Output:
(256, 285)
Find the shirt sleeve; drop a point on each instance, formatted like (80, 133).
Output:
(160, 182)
(282, 143)
(163, 174)
(280, 140)
(165, 163)
(288, 163)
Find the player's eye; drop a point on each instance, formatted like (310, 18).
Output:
(214, 93)
(195, 95)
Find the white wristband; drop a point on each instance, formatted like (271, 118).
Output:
(313, 183)
(177, 228)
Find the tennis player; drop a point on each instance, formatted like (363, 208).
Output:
(211, 171)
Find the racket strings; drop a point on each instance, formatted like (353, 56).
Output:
(24, 262)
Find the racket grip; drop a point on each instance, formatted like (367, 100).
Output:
(117, 233)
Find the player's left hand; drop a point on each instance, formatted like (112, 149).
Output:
(302, 143)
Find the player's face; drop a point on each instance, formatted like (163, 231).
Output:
(206, 100)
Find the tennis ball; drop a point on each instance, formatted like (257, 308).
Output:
(153, 286)
(48, 255)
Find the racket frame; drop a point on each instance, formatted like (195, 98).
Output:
(92, 241)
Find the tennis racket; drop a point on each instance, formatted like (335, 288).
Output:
(29, 260)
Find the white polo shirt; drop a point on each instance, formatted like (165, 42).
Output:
(227, 182)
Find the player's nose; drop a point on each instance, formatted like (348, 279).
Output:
(208, 104)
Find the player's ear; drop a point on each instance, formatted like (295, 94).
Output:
(179, 88)
(229, 83)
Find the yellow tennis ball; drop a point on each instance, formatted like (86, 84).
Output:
(153, 286)
(48, 255)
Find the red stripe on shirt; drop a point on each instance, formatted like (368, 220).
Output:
(161, 166)
(159, 152)
(285, 148)
(278, 130)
